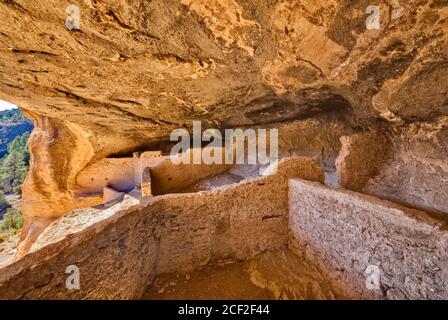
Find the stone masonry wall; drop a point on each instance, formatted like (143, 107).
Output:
(116, 258)
(119, 255)
(346, 232)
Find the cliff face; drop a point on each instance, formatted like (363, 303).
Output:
(138, 69)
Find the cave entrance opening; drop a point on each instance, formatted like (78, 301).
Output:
(15, 130)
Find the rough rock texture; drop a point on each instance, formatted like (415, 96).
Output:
(417, 175)
(138, 69)
(346, 232)
(360, 159)
(119, 250)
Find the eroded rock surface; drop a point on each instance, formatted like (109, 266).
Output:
(361, 157)
(136, 70)
(417, 175)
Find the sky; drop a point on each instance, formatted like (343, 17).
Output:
(4, 105)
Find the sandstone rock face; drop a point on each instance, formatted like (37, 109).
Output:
(417, 174)
(136, 70)
(360, 159)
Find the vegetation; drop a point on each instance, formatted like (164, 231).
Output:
(14, 166)
(14, 162)
(12, 124)
(3, 203)
(13, 115)
(11, 224)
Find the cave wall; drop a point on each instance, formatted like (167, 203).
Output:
(361, 158)
(136, 70)
(417, 175)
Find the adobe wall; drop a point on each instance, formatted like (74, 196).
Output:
(235, 221)
(116, 257)
(123, 174)
(168, 177)
(346, 232)
(119, 253)
(115, 172)
(360, 159)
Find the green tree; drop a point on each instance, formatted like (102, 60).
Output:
(14, 166)
(3, 203)
(12, 221)
(14, 115)
(11, 224)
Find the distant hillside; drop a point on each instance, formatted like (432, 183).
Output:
(12, 125)
(14, 162)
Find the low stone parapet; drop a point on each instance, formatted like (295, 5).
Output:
(120, 249)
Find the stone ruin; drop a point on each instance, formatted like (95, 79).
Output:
(357, 207)
(115, 176)
(323, 237)
(146, 173)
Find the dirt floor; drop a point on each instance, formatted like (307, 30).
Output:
(233, 176)
(273, 275)
(222, 281)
